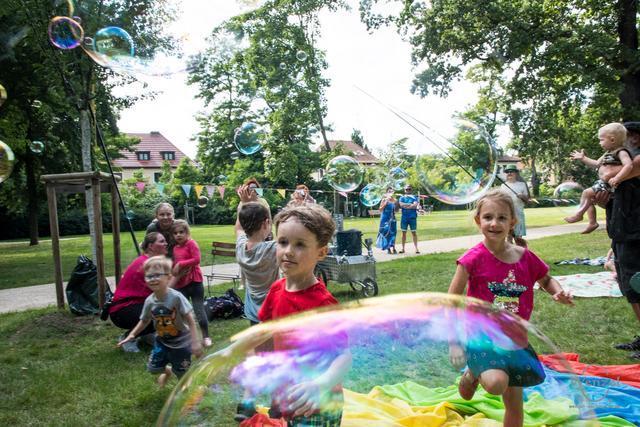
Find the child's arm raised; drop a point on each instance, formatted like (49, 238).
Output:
(135, 331)
(627, 167)
(306, 397)
(196, 345)
(579, 155)
(552, 287)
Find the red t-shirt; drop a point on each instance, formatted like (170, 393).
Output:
(132, 288)
(188, 255)
(280, 302)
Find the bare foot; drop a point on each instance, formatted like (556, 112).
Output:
(164, 377)
(573, 218)
(590, 228)
(467, 385)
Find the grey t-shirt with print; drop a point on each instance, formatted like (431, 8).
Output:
(168, 316)
(259, 269)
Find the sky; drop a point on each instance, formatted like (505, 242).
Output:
(377, 63)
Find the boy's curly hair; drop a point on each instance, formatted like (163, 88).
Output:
(313, 217)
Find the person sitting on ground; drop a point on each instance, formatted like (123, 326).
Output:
(132, 291)
(172, 315)
(300, 196)
(613, 167)
(162, 224)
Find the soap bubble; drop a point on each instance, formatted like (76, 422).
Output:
(397, 178)
(3, 95)
(130, 215)
(7, 160)
(65, 33)
(203, 201)
(113, 42)
(371, 195)
(249, 138)
(36, 147)
(344, 173)
(301, 56)
(234, 155)
(222, 179)
(283, 66)
(568, 192)
(461, 163)
(395, 354)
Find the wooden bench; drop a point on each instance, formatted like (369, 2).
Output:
(222, 249)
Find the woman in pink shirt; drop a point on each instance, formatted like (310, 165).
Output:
(187, 276)
(132, 290)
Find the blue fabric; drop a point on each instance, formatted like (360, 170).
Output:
(250, 308)
(388, 227)
(607, 396)
(410, 223)
(409, 213)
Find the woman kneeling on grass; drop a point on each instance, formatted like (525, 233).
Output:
(132, 291)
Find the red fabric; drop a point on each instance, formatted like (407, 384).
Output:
(188, 255)
(132, 288)
(628, 374)
(261, 420)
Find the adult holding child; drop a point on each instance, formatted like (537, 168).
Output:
(162, 223)
(132, 290)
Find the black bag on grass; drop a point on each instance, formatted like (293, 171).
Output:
(82, 288)
(226, 306)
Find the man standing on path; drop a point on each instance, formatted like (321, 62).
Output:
(409, 218)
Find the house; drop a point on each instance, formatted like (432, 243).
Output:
(362, 155)
(149, 155)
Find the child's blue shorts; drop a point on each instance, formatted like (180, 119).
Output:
(161, 356)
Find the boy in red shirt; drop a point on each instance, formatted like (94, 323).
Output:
(303, 234)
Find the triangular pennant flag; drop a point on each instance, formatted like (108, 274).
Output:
(343, 194)
(160, 187)
(140, 186)
(221, 191)
(198, 188)
(282, 192)
(260, 191)
(211, 189)
(187, 189)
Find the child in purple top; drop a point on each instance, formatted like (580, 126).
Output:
(502, 273)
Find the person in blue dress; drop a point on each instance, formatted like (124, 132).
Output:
(388, 225)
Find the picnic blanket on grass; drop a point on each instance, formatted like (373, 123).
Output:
(588, 285)
(582, 261)
(628, 374)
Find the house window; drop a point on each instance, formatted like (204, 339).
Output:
(143, 155)
(156, 176)
(168, 155)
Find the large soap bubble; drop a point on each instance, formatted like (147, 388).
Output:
(568, 192)
(3, 95)
(392, 365)
(459, 163)
(7, 160)
(65, 32)
(249, 138)
(344, 173)
(113, 42)
(371, 195)
(397, 178)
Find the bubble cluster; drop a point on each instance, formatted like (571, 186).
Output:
(463, 164)
(389, 355)
(249, 138)
(344, 173)
(371, 195)
(7, 160)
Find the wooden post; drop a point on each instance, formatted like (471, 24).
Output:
(97, 222)
(115, 229)
(55, 242)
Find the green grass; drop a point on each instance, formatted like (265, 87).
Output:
(17, 257)
(63, 370)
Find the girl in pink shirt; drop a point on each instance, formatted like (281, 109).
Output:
(501, 273)
(187, 276)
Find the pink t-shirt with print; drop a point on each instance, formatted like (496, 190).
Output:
(509, 286)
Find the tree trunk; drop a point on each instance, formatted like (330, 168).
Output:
(32, 198)
(630, 75)
(85, 135)
(535, 180)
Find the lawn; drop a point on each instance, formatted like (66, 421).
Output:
(16, 257)
(64, 370)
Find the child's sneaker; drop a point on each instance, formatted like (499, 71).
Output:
(245, 410)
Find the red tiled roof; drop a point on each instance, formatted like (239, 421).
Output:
(154, 143)
(506, 158)
(361, 154)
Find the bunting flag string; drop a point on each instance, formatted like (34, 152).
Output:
(260, 191)
(211, 189)
(198, 189)
(160, 187)
(221, 191)
(187, 189)
(282, 192)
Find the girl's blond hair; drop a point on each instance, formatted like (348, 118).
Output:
(500, 196)
(159, 260)
(179, 224)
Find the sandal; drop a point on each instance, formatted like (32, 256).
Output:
(467, 385)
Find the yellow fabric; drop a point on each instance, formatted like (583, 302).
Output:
(198, 188)
(282, 192)
(376, 410)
